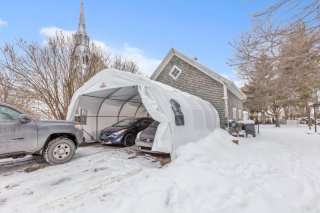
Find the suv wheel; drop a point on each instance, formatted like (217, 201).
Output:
(59, 150)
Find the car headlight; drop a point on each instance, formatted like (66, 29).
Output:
(119, 132)
(78, 126)
(138, 135)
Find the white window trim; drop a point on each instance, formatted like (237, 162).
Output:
(234, 114)
(171, 71)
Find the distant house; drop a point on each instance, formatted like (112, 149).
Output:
(186, 74)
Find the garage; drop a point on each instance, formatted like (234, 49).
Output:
(112, 95)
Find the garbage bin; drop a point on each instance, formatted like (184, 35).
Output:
(249, 128)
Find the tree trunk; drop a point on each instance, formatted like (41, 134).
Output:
(277, 119)
(286, 113)
(308, 110)
(263, 118)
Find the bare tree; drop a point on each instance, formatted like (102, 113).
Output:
(123, 64)
(292, 52)
(10, 94)
(49, 74)
(294, 13)
(6, 86)
(256, 61)
(299, 65)
(263, 89)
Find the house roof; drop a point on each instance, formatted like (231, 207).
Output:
(173, 52)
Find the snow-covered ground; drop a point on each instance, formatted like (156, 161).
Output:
(278, 171)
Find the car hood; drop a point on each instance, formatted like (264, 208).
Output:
(111, 129)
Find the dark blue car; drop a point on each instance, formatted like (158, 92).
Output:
(124, 132)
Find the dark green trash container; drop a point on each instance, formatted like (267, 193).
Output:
(249, 128)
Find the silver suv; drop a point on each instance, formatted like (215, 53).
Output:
(20, 135)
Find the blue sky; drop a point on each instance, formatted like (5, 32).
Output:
(142, 29)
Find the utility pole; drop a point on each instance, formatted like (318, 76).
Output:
(315, 117)
(309, 116)
(315, 106)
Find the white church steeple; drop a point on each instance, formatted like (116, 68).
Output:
(82, 40)
(82, 21)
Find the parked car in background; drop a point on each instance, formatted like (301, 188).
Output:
(124, 132)
(21, 135)
(145, 138)
(305, 120)
(302, 120)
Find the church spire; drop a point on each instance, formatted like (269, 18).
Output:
(82, 21)
(82, 41)
(81, 36)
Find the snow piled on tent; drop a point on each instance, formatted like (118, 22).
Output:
(278, 171)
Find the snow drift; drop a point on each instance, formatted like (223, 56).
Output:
(278, 171)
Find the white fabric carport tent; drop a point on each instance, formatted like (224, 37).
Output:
(109, 106)
(112, 95)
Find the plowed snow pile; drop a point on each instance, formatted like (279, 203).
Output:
(278, 171)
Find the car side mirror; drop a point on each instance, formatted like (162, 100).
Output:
(24, 118)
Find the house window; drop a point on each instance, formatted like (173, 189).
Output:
(240, 114)
(234, 113)
(175, 72)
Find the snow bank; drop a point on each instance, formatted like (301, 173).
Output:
(278, 171)
(248, 122)
(215, 175)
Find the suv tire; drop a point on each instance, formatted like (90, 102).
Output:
(59, 150)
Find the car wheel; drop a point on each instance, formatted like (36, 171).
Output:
(128, 140)
(59, 150)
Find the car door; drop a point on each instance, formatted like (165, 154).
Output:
(16, 136)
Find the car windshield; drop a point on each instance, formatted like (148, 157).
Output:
(126, 122)
(154, 124)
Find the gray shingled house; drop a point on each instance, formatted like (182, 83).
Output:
(186, 74)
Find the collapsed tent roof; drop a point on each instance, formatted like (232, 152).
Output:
(112, 95)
